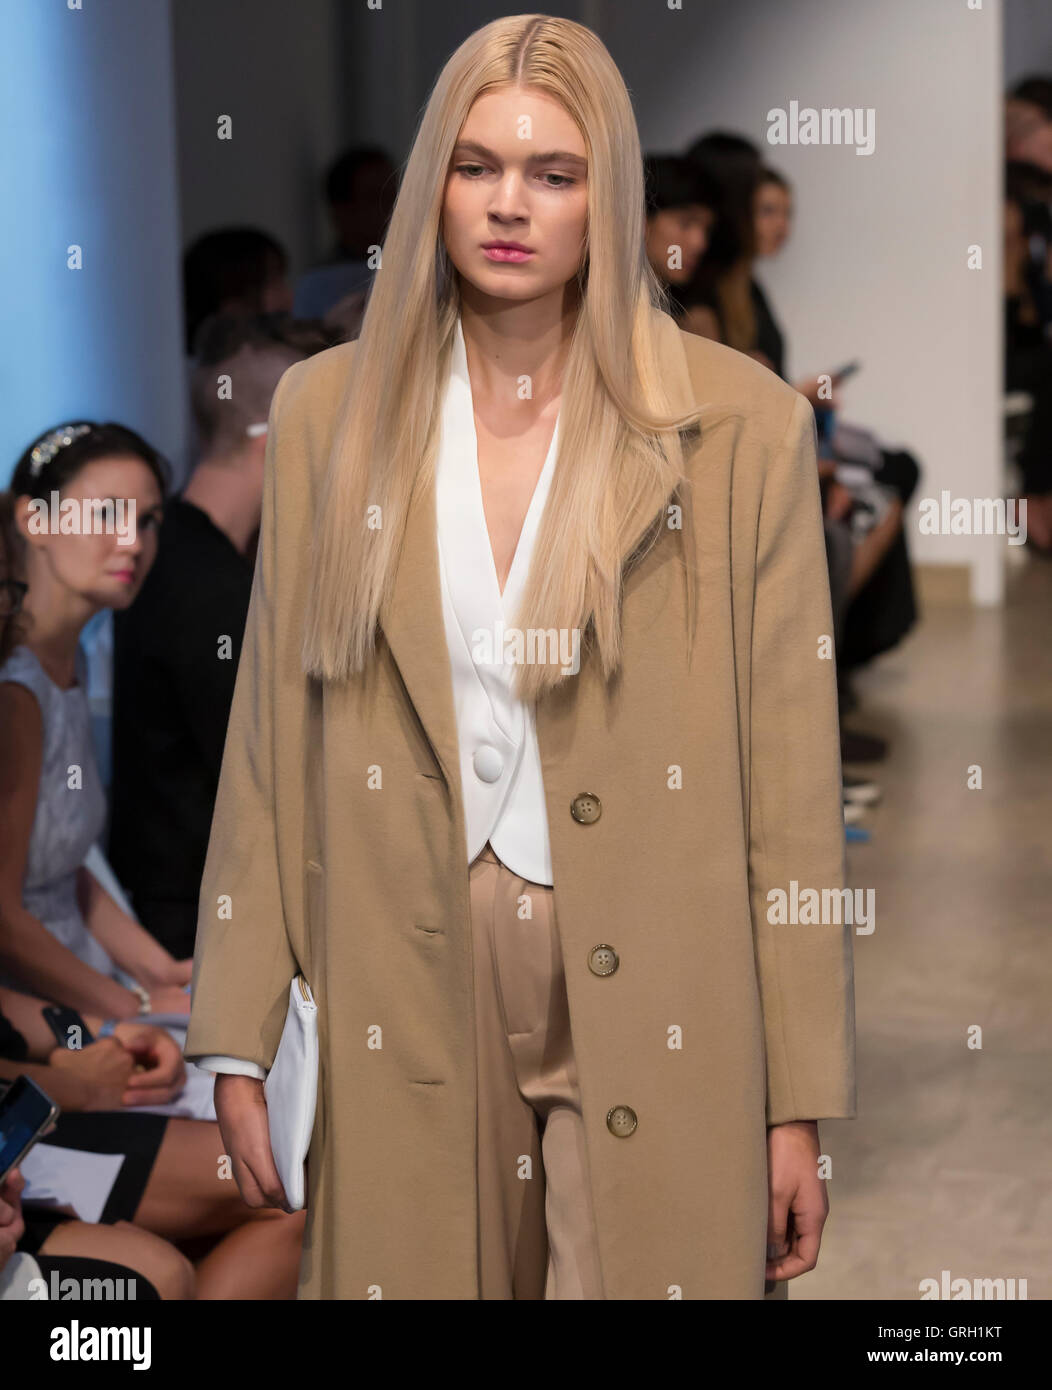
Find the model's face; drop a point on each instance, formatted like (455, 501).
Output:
(676, 241)
(105, 567)
(518, 175)
(774, 210)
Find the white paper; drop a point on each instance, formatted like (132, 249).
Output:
(73, 1178)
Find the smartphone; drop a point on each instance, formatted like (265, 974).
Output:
(26, 1112)
(62, 1021)
(848, 369)
(825, 425)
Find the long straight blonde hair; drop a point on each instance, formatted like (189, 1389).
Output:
(620, 454)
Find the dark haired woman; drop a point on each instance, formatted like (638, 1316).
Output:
(87, 506)
(62, 937)
(681, 204)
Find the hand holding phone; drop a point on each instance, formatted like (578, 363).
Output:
(848, 369)
(26, 1113)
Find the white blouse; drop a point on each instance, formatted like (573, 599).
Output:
(500, 765)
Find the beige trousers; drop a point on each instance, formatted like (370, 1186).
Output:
(537, 1235)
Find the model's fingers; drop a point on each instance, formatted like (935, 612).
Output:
(809, 1216)
(787, 1268)
(804, 1237)
(777, 1223)
(269, 1185)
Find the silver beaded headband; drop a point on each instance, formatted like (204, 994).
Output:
(49, 446)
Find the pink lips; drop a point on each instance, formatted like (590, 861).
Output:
(507, 254)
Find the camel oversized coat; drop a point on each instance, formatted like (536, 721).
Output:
(718, 781)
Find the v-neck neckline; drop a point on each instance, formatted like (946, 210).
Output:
(514, 581)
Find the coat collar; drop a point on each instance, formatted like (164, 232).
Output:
(412, 622)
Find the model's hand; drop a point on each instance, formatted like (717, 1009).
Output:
(242, 1113)
(160, 1072)
(798, 1201)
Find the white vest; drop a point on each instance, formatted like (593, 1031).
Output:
(500, 766)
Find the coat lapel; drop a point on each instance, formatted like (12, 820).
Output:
(412, 622)
(414, 628)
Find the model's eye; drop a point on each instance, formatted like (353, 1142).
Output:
(567, 181)
(465, 169)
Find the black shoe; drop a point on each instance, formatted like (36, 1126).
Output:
(861, 748)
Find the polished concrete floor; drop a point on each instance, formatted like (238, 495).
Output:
(949, 1163)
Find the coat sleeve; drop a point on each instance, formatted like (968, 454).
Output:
(243, 963)
(796, 826)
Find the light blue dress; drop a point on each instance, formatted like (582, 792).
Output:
(69, 821)
(70, 812)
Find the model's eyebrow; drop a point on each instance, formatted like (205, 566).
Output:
(551, 157)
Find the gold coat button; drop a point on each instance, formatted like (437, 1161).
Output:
(586, 808)
(621, 1120)
(602, 960)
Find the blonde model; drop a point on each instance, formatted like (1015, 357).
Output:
(535, 718)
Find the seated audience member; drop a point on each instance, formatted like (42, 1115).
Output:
(176, 648)
(360, 189)
(679, 214)
(719, 299)
(865, 490)
(870, 578)
(753, 219)
(1028, 334)
(348, 314)
(236, 270)
(62, 936)
(171, 1275)
(1028, 123)
(171, 1185)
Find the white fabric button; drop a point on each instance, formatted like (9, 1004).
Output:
(488, 763)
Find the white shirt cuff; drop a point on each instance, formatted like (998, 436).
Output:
(234, 1066)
